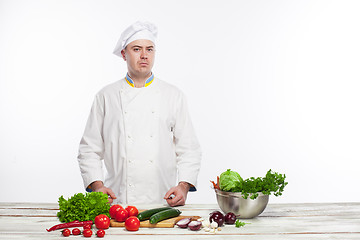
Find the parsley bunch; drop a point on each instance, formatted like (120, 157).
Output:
(273, 182)
(83, 207)
(238, 223)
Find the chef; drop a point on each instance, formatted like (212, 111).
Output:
(139, 144)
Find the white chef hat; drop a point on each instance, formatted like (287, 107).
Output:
(138, 30)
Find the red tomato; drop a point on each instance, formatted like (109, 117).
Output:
(87, 226)
(87, 232)
(66, 232)
(76, 231)
(132, 223)
(113, 210)
(132, 211)
(102, 221)
(100, 233)
(121, 215)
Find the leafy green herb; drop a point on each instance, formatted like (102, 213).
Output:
(238, 223)
(273, 182)
(83, 207)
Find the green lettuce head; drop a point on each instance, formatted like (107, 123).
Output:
(230, 181)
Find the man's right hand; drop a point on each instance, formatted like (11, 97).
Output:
(98, 186)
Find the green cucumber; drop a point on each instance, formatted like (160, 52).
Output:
(148, 213)
(165, 214)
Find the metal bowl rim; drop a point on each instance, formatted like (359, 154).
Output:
(236, 194)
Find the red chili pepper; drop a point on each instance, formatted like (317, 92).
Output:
(75, 223)
(214, 184)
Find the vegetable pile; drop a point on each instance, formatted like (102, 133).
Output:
(231, 181)
(83, 207)
(129, 215)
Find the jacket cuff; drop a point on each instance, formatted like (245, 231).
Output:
(192, 189)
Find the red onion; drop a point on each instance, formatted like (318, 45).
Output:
(218, 217)
(183, 223)
(194, 225)
(230, 218)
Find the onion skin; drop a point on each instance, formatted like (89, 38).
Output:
(218, 217)
(230, 218)
(194, 225)
(183, 223)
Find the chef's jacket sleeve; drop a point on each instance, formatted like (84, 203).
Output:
(91, 149)
(187, 147)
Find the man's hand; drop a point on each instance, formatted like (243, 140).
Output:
(179, 194)
(98, 186)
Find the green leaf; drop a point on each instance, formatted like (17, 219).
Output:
(83, 207)
(230, 180)
(238, 223)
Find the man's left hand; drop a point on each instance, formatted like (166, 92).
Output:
(178, 193)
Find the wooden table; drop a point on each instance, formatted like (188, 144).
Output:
(278, 221)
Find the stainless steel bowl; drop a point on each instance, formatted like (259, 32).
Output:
(242, 208)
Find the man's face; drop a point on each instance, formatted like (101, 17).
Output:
(140, 56)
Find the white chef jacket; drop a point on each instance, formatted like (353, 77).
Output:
(144, 137)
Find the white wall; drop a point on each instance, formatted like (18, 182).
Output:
(271, 84)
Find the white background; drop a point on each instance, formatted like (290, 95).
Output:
(270, 84)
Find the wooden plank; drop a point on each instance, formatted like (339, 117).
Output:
(312, 209)
(28, 212)
(258, 226)
(19, 205)
(134, 236)
(278, 221)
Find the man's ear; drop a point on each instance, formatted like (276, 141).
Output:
(123, 54)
